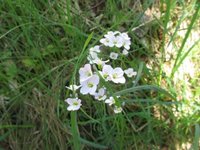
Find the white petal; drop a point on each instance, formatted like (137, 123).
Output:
(76, 107)
(118, 71)
(84, 90)
(127, 46)
(73, 87)
(119, 42)
(85, 72)
(95, 49)
(95, 79)
(119, 80)
(101, 91)
(129, 70)
(104, 41)
(102, 98)
(125, 52)
(110, 44)
(107, 69)
(110, 101)
(70, 101)
(70, 108)
(93, 90)
(125, 36)
(117, 109)
(113, 55)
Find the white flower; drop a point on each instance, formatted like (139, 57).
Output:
(126, 44)
(130, 72)
(117, 75)
(100, 62)
(125, 36)
(106, 72)
(85, 72)
(118, 41)
(108, 41)
(95, 49)
(92, 56)
(110, 101)
(117, 109)
(110, 34)
(113, 55)
(126, 40)
(73, 87)
(125, 52)
(100, 95)
(89, 86)
(111, 40)
(74, 104)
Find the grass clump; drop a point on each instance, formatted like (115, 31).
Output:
(44, 43)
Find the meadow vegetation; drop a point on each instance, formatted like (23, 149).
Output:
(43, 43)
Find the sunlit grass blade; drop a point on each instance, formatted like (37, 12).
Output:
(194, 18)
(182, 58)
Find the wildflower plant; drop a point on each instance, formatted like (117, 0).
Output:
(100, 69)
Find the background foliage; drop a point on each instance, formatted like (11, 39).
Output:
(40, 45)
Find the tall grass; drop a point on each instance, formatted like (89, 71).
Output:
(44, 43)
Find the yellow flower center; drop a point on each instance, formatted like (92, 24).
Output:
(90, 85)
(105, 76)
(88, 74)
(114, 75)
(75, 103)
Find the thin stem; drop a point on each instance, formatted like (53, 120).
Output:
(75, 131)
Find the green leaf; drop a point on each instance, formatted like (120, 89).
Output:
(11, 69)
(195, 145)
(95, 145)
(144, 87)
(87, 41)
(30, 63)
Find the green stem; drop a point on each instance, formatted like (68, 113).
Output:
(75, 131)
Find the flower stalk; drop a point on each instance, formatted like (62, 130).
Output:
(75, 131)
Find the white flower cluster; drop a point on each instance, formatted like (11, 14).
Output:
(98, 69)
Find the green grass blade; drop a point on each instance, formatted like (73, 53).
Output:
(195, 145)
(68, 2)
(92, 144)
(185, 55)
(144, 87)
(80, 58)
(16, 126)
(165, 30)
(139, 73)
(153, 101)
(194, 18)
